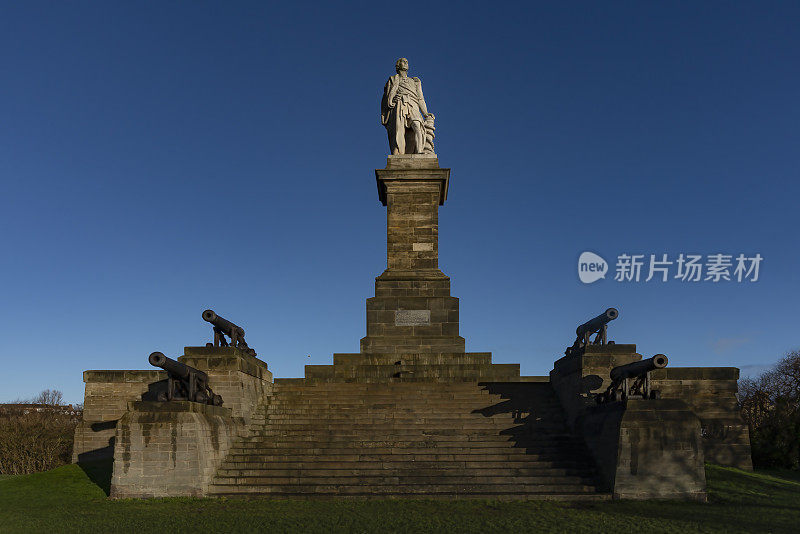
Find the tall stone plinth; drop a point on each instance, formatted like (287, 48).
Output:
(412, 310)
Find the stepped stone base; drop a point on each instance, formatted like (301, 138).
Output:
(419, 367)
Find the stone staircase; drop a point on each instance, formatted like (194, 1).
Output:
(409, 437)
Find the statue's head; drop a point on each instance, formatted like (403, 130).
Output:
(400, 65)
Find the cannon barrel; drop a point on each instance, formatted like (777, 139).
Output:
(175, 368)
(632, 370)
(223, 324)
(593, 325)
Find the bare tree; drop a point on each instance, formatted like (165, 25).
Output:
(771, 407)
(49, 397)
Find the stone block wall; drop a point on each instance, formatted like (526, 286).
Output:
(106, 398)
(168, 449)
(646, 449)
(711, 393)
(242, 380)
(413, 225)
(577, 377)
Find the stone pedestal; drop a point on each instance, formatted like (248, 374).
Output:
(646, 449)
(170, 449)
(412, 310)
(241, 379)
(577, 377)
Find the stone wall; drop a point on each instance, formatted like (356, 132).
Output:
(106, 398)
(711, 393)
(646, 449)
(242, 380)
(577, 377)
(170, 448)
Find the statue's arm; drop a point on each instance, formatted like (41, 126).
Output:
(391, 91)
(422, 106)
(386, 102)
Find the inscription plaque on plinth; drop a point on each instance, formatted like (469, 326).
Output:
(412, 317)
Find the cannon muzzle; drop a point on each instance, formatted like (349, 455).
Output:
(230, 329)
(593, 325)
(175, 368)
(633, 379)
(632, 370)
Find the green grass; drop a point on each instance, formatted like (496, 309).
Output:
(67, 500)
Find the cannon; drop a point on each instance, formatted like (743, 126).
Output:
(222, 328)
(184, 382)
(597, 325)
(633, 380)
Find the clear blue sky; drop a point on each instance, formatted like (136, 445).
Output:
(160, 158)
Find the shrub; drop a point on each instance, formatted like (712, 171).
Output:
(36, 436)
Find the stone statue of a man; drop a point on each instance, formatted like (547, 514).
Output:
(401, 105)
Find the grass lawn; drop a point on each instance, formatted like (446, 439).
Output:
(67, 500)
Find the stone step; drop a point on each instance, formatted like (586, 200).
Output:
(481, 396)
(418, 405)
(505, 422)
(417, 359)
(432, 420)
(332, 405)
(355, 444)
(344, 412)
(402, 489)
(254, 462)
(510, 455)
(395, 453)
(272, 470)
(464, 372)
(349, 415)
(406, 386)
(506, 497)
(360, 424)
(402, 434)
(381, 426)
(390, 415)
(433, 388)
(491, 378)
(388, 400)
(471, 393)
(409, 479)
